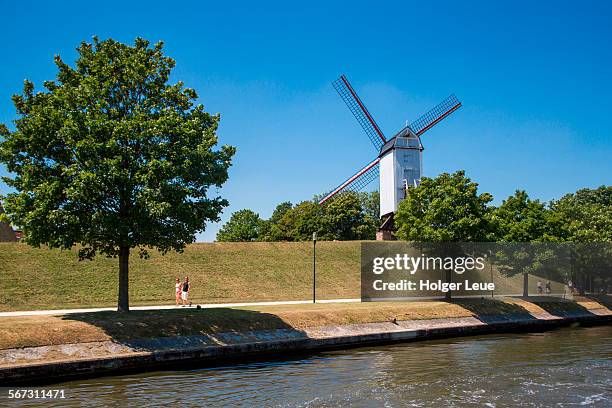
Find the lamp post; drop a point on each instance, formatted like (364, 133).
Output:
(314, 267)
(491, 270)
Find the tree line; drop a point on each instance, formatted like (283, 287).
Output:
(447, 208)
(538, 235)
(450, 209)
(348, 216)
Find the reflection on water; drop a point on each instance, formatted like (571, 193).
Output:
(568, 367)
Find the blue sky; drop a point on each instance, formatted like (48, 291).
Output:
(534, 80)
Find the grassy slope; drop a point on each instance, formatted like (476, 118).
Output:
(33, 278)
(220, 272)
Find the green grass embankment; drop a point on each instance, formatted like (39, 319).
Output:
(32, 279)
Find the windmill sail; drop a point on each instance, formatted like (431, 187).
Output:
(435, 115)
(358, 181)
(358, 109)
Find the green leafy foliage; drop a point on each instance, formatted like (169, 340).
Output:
(346, 219)
(586, 214)
(299, 223)
(280, 211)
(524, 221)
(243, 226)
(447, 208)
(587, 219)
(521, 219)
(348, 216)
(267, 226)
(370, 203)
(112, 157)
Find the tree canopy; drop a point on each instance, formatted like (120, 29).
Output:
(267, 231)
(587, 219)
(370, 204)
(521, 219)
(586, 214)
(347, 216)
(243, 225)
(112, 156)
(446, 208)
(280, 211)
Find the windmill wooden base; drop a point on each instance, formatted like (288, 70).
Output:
(387, 229)
(6, 232)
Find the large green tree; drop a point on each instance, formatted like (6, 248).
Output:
(447, 208)
(113, 157)
(521, 219)
(299, 222)
(586, 214)
(344, 218)
(587, 218)
(243, 226)
(347, 216)
(267, 232)
(370, 204)
(280, 211)
(527, 228)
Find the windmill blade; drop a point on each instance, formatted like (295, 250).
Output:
(357, 182)
(358, 109)
(439, 112)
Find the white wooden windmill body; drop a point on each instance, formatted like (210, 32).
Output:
(401, 165)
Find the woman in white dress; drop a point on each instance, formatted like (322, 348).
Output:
(178, 288)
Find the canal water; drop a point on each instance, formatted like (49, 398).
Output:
(565, 367)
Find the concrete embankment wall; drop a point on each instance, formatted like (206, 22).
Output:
(38, 365)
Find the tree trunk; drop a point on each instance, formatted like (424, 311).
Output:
(525, 284)
(123, 303)
(449, 278)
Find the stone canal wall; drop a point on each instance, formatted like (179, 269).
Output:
(47, 364)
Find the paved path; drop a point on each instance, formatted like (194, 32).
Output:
(165, 307)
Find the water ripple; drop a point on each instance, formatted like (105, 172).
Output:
(567, 367)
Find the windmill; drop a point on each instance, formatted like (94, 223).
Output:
(399, 160)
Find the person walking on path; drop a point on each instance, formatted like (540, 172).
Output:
(539, 287)
(178, 289)
(548, 288)
(185, 291)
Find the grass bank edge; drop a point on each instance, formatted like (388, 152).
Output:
(32, 331)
